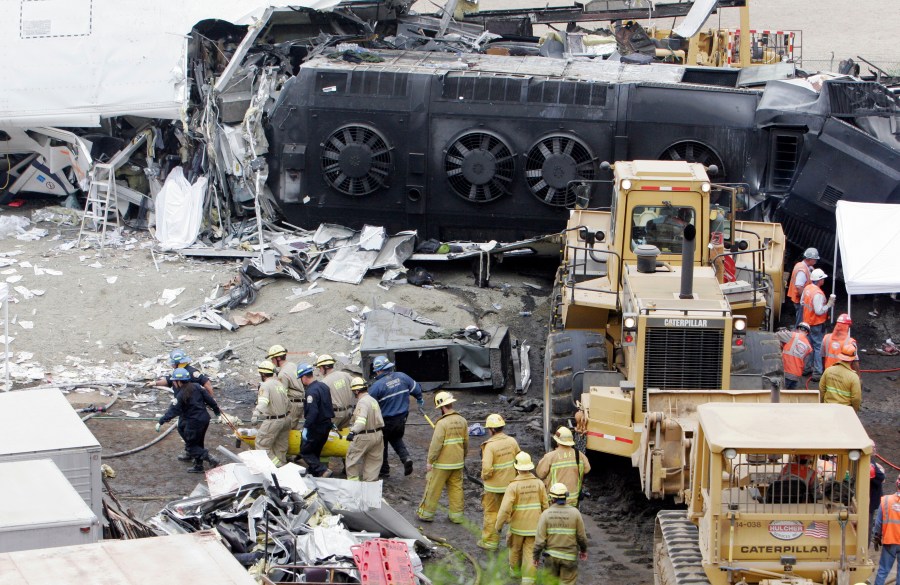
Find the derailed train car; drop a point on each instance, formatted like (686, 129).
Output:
(491, 147)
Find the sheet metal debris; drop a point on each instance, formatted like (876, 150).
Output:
(282, 525)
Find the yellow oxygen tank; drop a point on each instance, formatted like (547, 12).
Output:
(335, 447)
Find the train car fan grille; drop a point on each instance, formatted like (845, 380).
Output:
(479, 167)
(356, 160)
(683, 358)
(552, 165)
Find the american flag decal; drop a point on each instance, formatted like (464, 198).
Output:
(817, 530)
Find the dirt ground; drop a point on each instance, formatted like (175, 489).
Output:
(91, 323)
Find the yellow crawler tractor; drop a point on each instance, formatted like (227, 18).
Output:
(663, 302)
(779, 496)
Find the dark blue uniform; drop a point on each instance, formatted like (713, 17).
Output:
(317, 415)
(392, 392)
(196, 376)
(191, 401)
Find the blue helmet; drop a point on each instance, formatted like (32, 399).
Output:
(181, 375)
(381, 363)
(303, 370)
(178, 356)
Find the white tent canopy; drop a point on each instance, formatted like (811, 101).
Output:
(869, 241)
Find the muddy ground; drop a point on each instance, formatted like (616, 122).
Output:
(92, 323)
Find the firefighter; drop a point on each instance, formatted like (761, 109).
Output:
(444, 465)
(338, 383)
(498, 454)
(887, 534)
(565, 465)
(273, 409)
(287, 375)
(561, 537)
(815, 313)
(840, 384)
(317, 417)
(833, 342)
(523, 502)
(365, 436)
(179, 359)
(799, 279)
(191, 401)
(795, 354)
(392, 391)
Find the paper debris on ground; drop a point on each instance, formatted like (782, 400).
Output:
(26, 324)
(301, 306)
(162, 322)
(169, 295)
(13, 279)
(26, 294)
(111, 279)
(251, 318)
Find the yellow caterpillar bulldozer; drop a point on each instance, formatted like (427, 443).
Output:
(779, 496)
(663, 302)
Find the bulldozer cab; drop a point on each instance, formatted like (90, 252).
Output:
(779, 491)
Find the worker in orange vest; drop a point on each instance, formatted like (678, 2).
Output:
(834, 342)
(799, 279)
(887, 534)
(815, 313)
(794, 355)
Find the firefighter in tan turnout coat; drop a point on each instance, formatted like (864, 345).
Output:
(523, 502)
(498, 454)
(444, 466)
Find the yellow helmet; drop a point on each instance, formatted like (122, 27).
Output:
(357, 384)
(494, 421)
(266, 367)
(563, 436)
(558, 490)
(443, 399)
(324, 360)
(276, 351)
(523, 462)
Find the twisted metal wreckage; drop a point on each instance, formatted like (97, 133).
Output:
(364, 113)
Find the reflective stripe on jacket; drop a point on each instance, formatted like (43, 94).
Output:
(560, 533)
(450, 442)
(890, 519)
(831, 348)
(794, 355)
(498, 454)
(840, 385)
(367, 416)
(523, 502)
(273, 398)
(808, 300)
(793, 292)
(560, 465)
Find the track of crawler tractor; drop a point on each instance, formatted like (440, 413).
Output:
(676, 557)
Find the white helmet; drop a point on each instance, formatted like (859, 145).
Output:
(817, 275)
(811, 254)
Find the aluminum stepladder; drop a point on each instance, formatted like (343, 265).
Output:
(101, 197)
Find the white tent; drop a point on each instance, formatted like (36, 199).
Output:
(868, 237)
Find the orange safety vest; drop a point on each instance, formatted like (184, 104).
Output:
(793, 291)
(794, 354)
(890, 519)
(809, 313)
(799, 470)
(832, 349)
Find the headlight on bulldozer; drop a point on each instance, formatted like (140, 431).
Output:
(740, 325)
(626, 184)
(630, 323)
(705, 187)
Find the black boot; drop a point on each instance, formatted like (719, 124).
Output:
(213, 462)
(407, 467)
(198, 466)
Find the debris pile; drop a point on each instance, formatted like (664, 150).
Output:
(289, 527)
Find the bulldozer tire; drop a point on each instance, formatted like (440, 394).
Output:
(760, 354)
(567, 354)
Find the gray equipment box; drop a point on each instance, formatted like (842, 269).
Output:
(41, 424)
(183, 559)
(39, 508)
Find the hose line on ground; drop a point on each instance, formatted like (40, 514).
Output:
(142, 447)
(443, 542)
